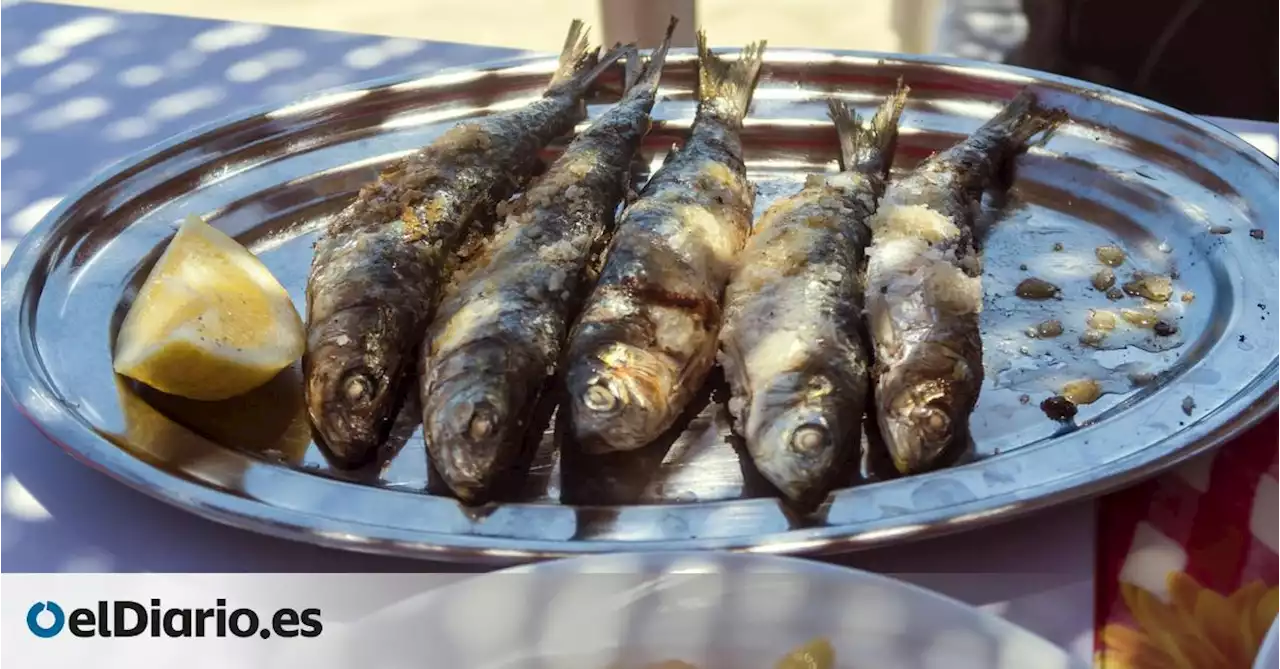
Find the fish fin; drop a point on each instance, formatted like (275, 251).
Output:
(579, 66)
(727, 87)
(878, 138)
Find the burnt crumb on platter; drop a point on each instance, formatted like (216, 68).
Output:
(1059, 408)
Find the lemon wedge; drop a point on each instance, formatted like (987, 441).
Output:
(816, 654)
(210, 322)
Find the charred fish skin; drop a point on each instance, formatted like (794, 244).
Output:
(377, 270)
(792, 345)
(499, 331)
(647, 335)
(924, 287)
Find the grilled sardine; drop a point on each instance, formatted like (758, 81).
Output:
(378, 267)
(647, 335)
(499, 331)
(924, 288)
(792, 344)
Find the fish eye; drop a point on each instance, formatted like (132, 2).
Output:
(483, 422)
(808, 438)
(600, 397)
(933, 422)
(359, 386)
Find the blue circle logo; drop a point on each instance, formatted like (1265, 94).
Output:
(45, 631)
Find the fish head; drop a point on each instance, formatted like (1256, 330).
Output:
(924, 407)
(354, 367)
(475, 407)
(803, 427)
(620, 397)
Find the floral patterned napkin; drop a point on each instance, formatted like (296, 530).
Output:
(1188, 562)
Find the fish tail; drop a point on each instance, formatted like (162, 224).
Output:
(645, 76)
(1024, 118)
(632, 70)
(986, 157)
(848, 131)
(727, 87)
(579, 65)
(575, 58)
(868, 147)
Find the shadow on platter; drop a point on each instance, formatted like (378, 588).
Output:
(693, 461)
(267, 423)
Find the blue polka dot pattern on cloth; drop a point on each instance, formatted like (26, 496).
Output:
(84, 88)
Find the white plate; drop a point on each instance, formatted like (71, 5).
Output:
(1269, 653)
(716, 610)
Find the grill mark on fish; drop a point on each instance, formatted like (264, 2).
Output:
(377, 270)
(704, 308)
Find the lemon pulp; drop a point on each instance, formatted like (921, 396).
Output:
(210, 322)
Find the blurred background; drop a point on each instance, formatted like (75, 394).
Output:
(539, 24)
(1216, 58)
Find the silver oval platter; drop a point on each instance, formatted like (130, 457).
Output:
(1183, 198)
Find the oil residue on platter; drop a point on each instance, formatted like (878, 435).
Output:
(1101, 319)
(1091, 341)
(1045, 329)
(1082, 391)
(1060, 374)
(1110, 255)
(1103, 279)
(1018, 322)
(1035, 288)
(1153, 287)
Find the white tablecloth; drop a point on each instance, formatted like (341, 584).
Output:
(83, 88)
